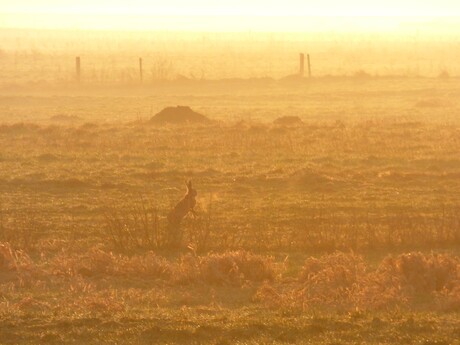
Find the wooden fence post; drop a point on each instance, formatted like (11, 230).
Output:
(141, 76)
(301, 64)
(309, 66)
(78, 68)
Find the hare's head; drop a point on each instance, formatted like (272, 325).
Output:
(190, 191)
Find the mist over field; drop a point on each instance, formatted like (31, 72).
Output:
(39, 56)
(212, 184)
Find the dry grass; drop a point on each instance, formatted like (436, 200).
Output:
(332, 282)
(231, 268)
(12, 259)
(100, 263)
(420, 278)
(83, 208)
(236, 267)
(384, 183)
(344, 282)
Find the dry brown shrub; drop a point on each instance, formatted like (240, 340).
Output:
(233, 268)
(417, 278)
(94, 262)
(13, 260)
(282, 296)
(341, 282)
(98, 262)
(328, 282)
(448, 300)
(187, 270)
(378, 291)
(135, 227)
(423, 273)
(230, 268)
(17, 267)
(331, 279)
(236, 267)
(148, 265)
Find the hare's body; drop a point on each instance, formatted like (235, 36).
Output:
(182, 208)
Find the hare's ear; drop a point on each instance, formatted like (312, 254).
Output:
(189, 185)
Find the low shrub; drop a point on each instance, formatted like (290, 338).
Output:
(343, 282)
(98, 262)
(235, 268)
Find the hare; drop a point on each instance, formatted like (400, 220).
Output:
(175, 216)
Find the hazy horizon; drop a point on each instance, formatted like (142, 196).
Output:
(233, 23)
(258, 16)
(319, 143)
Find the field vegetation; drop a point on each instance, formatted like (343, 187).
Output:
(328, 211)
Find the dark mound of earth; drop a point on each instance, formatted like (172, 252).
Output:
(288, 121)
(178, 115)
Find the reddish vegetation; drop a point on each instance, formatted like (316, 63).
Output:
(339, 281)
(231, 268)
(343, 281)
(98, 263)
(418, 277)
(236, 267)
(13, 260)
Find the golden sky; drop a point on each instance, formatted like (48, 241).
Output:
(224, 15)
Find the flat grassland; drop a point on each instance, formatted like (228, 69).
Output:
(342, 229)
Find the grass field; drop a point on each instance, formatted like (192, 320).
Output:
(343, 229)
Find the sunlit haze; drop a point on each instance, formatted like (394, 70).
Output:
(230, 172)
(238, 15)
